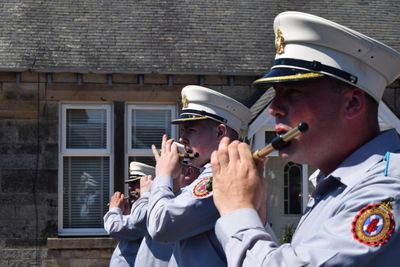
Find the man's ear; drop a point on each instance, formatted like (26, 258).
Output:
(355, 102)
(221, 131)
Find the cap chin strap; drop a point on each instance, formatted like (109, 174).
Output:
(187, 113)
(315, 66)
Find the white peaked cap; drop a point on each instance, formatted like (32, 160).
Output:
(308, 47)
(199, 103)
(138, 169)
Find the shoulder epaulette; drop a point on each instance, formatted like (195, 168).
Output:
(392, 168)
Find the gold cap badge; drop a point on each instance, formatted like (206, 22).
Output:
(279, 42)
(185, 102)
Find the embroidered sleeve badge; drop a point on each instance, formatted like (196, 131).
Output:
(200, 190)
(374, 224)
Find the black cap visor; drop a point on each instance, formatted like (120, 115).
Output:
(185, 118)
(195, 115)
(133, 178)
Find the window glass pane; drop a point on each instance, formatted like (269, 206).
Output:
(286, 193)
(148, 127)
(86, 128)
(85, 191)
(269, 136)
(295, 195)
(292, 188)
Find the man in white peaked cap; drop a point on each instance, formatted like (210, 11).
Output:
(130, 228)
(331, 78)
(188, 218)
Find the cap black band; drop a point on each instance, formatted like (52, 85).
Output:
(316, 66)
(186, 113)
(134, 178)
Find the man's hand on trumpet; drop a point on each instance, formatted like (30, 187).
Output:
(119, 201)
(168, 160)
(237, 178)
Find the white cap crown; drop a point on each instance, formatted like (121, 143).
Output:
(138, 169)
(203, 103)
(314, 45)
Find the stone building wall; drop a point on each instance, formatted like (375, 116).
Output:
(29, 129)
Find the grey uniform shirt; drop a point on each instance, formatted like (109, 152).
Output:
(188, 220)
(128, 230)
(152, 253)
(340, 223)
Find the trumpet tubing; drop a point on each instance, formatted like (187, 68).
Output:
(276, 144)
(280, 141)
(183, 153)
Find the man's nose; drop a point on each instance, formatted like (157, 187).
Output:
(276, 109)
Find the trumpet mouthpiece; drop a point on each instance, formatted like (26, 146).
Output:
(302, 127)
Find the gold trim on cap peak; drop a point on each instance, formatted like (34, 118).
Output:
(309, 75)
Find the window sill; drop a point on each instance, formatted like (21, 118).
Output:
(80, 242)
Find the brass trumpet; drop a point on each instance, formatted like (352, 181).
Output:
(280, 141)
(185, 155)
(125, 199)
(277, 143)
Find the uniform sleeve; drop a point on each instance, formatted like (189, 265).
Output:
(172, 218)
(247, 243)
(127, 227)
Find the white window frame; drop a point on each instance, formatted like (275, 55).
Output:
(65, 152)
(142, 152)
(84, 152)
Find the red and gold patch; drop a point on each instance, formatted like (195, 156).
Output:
(374, 224)
(200, 190)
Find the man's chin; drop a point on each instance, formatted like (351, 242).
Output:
(188, 180)
(291, 157)
(286, 155)
(283, 153)
(198, 164)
